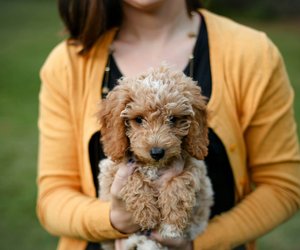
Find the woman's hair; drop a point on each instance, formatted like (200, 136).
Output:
(87, 20)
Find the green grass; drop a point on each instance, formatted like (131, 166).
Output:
(28, 31)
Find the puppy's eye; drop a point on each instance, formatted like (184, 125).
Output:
(139, 120)
(172, 119)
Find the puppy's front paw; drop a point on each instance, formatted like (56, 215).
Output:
(168, 231)
(141, 199)
(146, 216)
(137, 242)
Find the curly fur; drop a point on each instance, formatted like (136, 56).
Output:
(159, 109)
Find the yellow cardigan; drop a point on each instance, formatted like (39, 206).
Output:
(250, 110)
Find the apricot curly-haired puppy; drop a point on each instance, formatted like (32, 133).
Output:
(155, 119)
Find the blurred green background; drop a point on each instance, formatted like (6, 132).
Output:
(28, 31)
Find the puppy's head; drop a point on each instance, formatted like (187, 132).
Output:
(154, 116)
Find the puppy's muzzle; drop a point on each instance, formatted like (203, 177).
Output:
(157, 153)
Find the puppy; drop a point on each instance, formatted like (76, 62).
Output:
(156, 120)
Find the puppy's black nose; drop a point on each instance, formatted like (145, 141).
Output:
(157, 153)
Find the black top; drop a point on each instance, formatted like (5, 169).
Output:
(218, 166)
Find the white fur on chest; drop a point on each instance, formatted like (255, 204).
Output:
(149, 172)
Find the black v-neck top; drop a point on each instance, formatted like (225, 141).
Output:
(218, 166)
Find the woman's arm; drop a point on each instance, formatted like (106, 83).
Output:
(62, 207)
(272, 154)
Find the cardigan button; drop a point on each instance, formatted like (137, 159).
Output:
(243, 182)
(232, 147)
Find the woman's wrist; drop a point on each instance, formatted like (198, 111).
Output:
(121, 220)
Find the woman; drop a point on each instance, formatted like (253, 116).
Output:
(253, 161)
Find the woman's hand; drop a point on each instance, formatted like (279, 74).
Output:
(165, 175)
(122, 220)
(172, 244)
(119, 217)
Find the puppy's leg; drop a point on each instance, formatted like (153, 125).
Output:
(106, 177)
(176, 201)
(141, 200)
(201, 212)
(107, 174)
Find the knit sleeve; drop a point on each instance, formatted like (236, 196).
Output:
(62, 207)
(273, 157)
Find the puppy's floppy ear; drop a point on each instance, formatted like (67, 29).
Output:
(196, 141)
(113, 137)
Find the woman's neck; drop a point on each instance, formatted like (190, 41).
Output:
(150, 36)
(159, 22)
